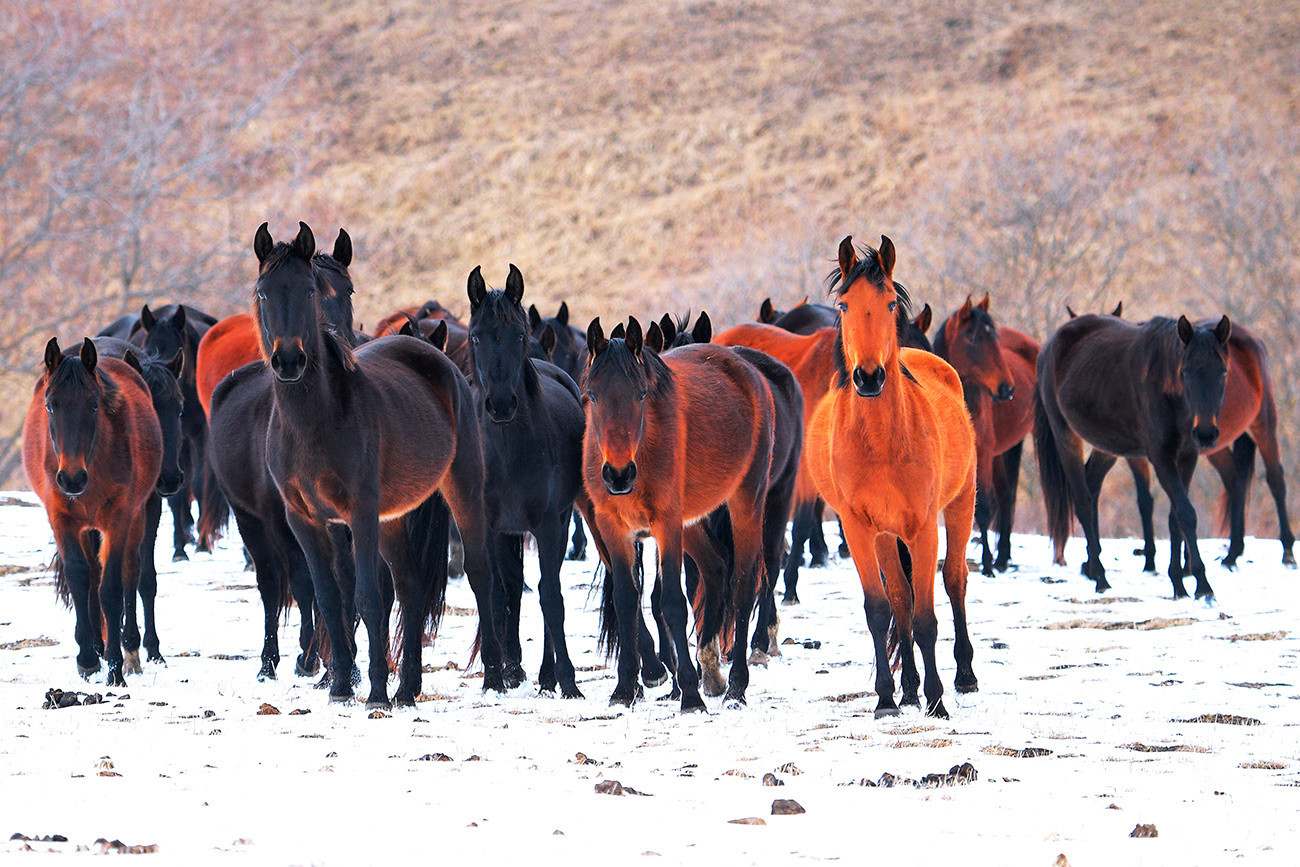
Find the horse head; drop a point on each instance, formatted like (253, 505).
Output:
(972, 346)
(287, 305)
(1203, 370)
(165, 335)
(162, 378)
(499, 343)
(622, 372)
(868, 302)
(73, 393)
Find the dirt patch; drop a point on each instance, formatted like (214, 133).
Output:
(1227, 719)
(1013, 753)
(24, 643)
(1255, 636)
(1153, 623)
(1138, 747)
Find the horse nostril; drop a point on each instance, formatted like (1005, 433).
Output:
(869, 384)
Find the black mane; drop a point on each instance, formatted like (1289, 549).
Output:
(649, 367)
(867, 268)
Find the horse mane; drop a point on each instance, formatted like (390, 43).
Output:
(71, 370)
(1164, 353)
(337, 345)
(157, 376)
(659, 378)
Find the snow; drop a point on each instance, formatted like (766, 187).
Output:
(336, 787)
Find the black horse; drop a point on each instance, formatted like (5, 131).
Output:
(532, 424)
(242, 484)
(355, 440)
(1150, 390)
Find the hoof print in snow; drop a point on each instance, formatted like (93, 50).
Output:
(1141, 830)
(751, 820)
(772, 780)
(267, 710)
(787, 807)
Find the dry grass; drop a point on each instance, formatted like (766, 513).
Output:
(1153, 623)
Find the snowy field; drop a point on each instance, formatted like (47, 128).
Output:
(1108, 717)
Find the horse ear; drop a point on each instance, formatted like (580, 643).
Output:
(619, 332)
(766, 312)
(476, 288)
(178, 318)
(703, 330)
(177, 363)
(848, 257)
(408, 327)
(53, 355)
(305, 243)
(133, 361)
(923, 320)
(984, 305)
(887, 256)
(1119, 309)
(654, 337)
(534, 318)
(802, 302)
(147, 319)
(343, 248)
(515, 286)
(595, 338)
(966, 309)
(1069, 310)
(1185, 329)
(667, 330)
(89, 357)
(634, 338)
(548, 339)
(439, 336)
(562, 315)
(262, 244)
(1223, 331)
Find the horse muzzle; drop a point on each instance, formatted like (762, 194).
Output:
(170, 483)
(501, 411)
(869, 384)
(1205, 436)
(288, 360)
(72, 484)
(619, 482)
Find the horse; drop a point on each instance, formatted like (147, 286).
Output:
(998, 367)
(92, 450)
(669, 440)
(431, 309)
(1153, 390)
(531, 423)
(359, 438)
(891, 446)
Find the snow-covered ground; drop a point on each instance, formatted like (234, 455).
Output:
(198, 772)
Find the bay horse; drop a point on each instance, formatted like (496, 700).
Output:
(355, 440)
(891, 447)
(669, 440)
(998, 367)
(431, 309)
(92, 450)
(1150, 390)
(532, 423)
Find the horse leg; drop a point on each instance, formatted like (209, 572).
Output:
(579, 549)
(550, 536)
(1006, 483)
(297, 574)
(709, 604)
(801, 528)
(266, 568)
(983, 516)
(818, 553)
(747, 570)
(776, 512)
(1174, 476)
(925, 558)
(182, 521)
(956, 520)
(317, 551)
(112, 589)
(862, 544)
(456, 554)
(657, 664)
(984, 490)
(506, 557)
(627, 602)
(1087, 479)
(1225, 464)
(1146, 504)
(668, 535)
(77, 574)
(149, 578)
(1266, 441)
(374, 602)
(900, 603)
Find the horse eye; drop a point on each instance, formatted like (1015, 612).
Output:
(591, 397)
(261, 296)
(49, 409)
(641, 396)
(473, 338)
(311, 293)
(893, 305)
(843, 306)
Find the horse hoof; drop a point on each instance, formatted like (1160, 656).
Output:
(759, 657)
(87, 670)
(156, 658)
(845, 553)
(266, 673)
(378, 704)
(131, 662)
(341, 698)
(937, 710)
(403, 701)
(494, 683)
(713, 685)
(734, 701)
(967, 686)
(621, 700)
(882, 712)
(653, 680)
(180, 556)
(1206, 596)
(1288, 559)
(821, 561)
(115, 677)
(910, 699)
(790, 599)
(302, 669)
(695, 705)
(576, 554)
(571, 692)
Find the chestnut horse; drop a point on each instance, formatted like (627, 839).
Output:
(891, 447)
(92, 449)
(1152, 390)
(356, 439)
(998, 367)
(669, 440)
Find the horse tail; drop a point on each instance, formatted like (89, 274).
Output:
(428, 539)
(607, 635)
(1243, 461)
(61, 586)
(1051, 474)
(214, 508)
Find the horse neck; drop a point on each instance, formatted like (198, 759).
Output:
(325, 384)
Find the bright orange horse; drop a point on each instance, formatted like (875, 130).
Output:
(891, 447)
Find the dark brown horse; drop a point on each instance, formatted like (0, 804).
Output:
(998, 367)
(668, 441)
(356, 439)
(92, 449)
(1152, 390)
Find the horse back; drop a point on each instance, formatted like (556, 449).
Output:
(227, 346)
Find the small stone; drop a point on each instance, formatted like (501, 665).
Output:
(751, 820)
(1113, 807)
(209, 714)
(772, 780)
(378, 714)
(557, 833)
(787, 807)
(1061, 861)
(267, 710)
(609, 787)
(301, 711)
(1141, 830)
(812, 644)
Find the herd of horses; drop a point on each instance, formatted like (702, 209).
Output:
(351, 463)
